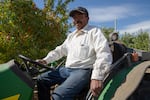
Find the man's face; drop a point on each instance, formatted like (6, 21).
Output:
(80, 20)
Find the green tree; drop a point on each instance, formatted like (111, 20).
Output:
(107, 31)
(25, 29)
(138, 41)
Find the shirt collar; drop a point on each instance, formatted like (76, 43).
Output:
(84, 30)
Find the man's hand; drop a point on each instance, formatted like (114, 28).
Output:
(41, 61)
(96, 86)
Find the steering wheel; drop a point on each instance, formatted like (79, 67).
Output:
(33, 67)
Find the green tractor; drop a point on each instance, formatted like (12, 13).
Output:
(129, 79)
(14, 83)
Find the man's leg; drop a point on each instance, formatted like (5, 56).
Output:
(77, 80)
(48, 79)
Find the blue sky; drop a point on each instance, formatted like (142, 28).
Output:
(131, 15)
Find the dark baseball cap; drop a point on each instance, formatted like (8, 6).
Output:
(78, 9)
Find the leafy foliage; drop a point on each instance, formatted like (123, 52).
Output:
(25, 29)
(107, 31)
(139, 41)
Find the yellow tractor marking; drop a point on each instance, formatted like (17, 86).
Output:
(15, 97)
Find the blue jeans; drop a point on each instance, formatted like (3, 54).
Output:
(71, 81)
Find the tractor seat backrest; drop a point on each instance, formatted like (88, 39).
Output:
(118, 50)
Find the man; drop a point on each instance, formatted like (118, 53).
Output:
(88, 60)
(117, 47)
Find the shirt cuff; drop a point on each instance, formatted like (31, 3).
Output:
(96, 74)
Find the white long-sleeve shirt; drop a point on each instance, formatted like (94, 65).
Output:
(86, 49)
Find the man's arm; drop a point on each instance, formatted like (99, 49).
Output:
(103, 61)
(55, 54)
